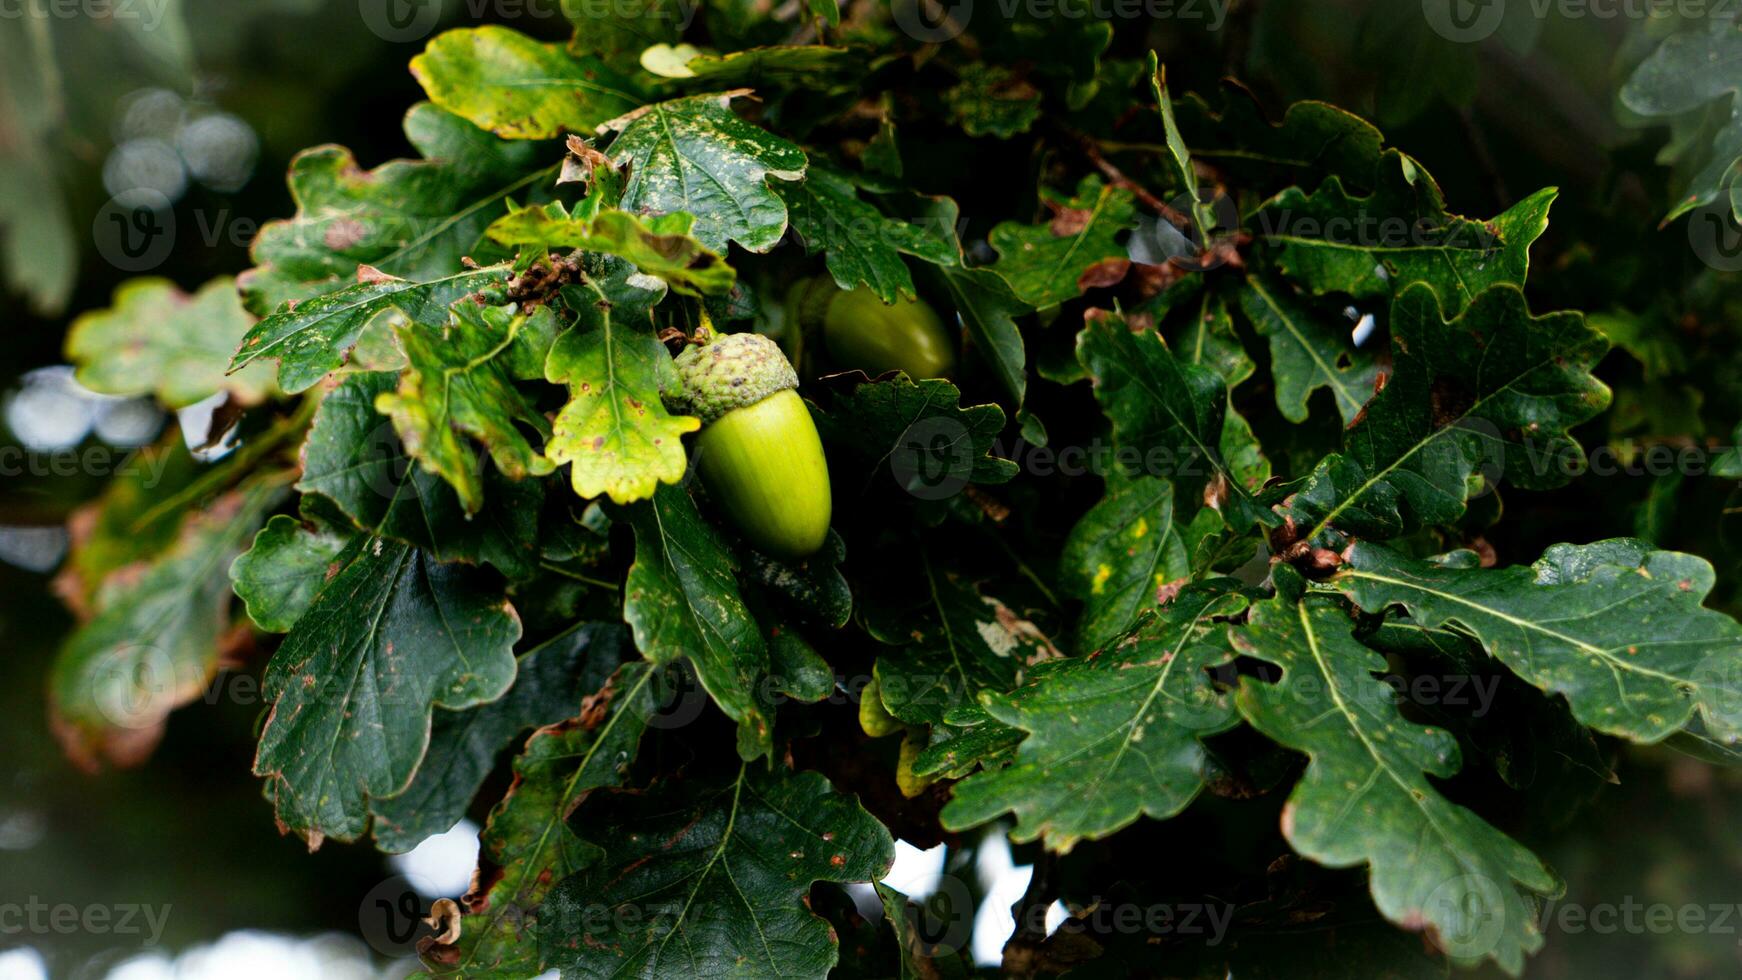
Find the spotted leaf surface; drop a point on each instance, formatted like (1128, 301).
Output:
(682, 601)
(503, 81)
(1366, 798)
(660, 246)
(1486, 395)
(710, 880)
(1120, 557)
(393, 635)
(948, 642)
(527, 846)
(157, 340)
(1112, 735)
(1078, 247)
(1172, 412)
(316, 337)
(861, 245)
(693, 154)
(1616, 627)
(1376, 246)
(615, 432)
(414, 219)
(353, 459)
(458, 393)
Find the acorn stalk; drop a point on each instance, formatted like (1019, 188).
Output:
(860, 331)
(758, 452)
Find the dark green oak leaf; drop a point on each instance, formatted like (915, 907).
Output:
(682, 601)
(1120, 555)
(931, 444)
(1208, 338)
(862, 246)
(550, 681)
(459, 388)
(796, 670)
(158, 340)
(1688, 71)
(1049, 263)
(810, 66)
(1306, 353)
(1312, 141)
(694, 154)
(619, 34)
(392, 635)
(991, 100)
(989, 310)
(353, 458)
(153, 641)
(983, 301)
(660, 246)
(1065, 41)
(1112, 735)
(1199, 328)
(947, 642)
(966, 740)
(813, 589)
(1376, 246)
(501, 80)
(1615, 627)
(317, 336)
(1172, 412)
(278, 577)
(1366, 797)
(527, 846)
(711, 880)
(1491, 392)
(615, 431)
(414, 219)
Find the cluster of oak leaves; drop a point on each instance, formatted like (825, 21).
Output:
(449, 375)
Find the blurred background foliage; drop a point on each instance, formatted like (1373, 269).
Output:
(207, 107)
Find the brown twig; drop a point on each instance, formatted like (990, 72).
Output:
(1119, 179)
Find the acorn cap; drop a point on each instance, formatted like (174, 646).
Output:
(732, 371)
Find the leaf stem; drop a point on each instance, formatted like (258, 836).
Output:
(558, 569)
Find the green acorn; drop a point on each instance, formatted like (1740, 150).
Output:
(759, 454)
(861, 331)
